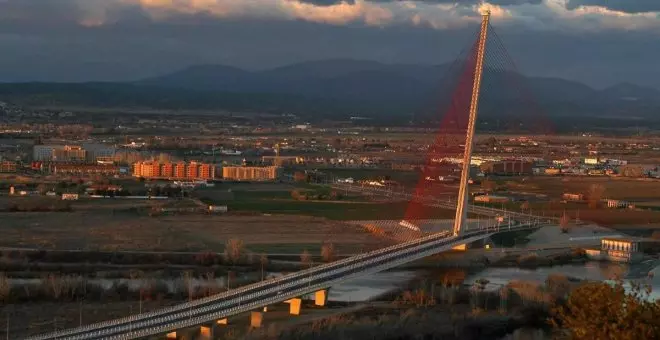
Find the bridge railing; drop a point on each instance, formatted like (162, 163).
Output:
(300, 291)
(321, 271)
(233, 292)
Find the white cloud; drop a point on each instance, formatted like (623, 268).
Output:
(557, 15)
(337, 14)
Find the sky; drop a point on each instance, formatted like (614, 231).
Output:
(598, 42)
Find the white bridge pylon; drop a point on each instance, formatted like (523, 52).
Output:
(461, 211)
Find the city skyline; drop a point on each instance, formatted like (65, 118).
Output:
(69, 40)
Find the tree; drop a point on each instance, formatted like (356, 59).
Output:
(656, 235)
(488, 185)
(264, 261)
(595, 194)
(632, 171)
(306, 258)
(164, 158)
(563, 223)
(234, 250)
(328, 252)
(300, 176)
(597, 310)
(42, 189)
(524, 206)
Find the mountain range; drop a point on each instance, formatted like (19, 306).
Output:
(343, 87)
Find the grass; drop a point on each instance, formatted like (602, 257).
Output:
(285, 248)
(349, 208)
(615, 188)
(334, 211)
(297, 248)
(512, 238)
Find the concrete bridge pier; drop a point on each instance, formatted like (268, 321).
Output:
(321, 297)
(205, 332)
(256, 319)
(294, 306)
(181, 334)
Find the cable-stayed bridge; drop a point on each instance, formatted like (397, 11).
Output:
(460, 120)
(258, 295)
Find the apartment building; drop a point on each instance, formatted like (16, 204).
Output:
(179, 170)
(250, 173)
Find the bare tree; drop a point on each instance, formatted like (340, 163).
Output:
(595, 194)
(210, 283)
(264, 261)
(524, 206)
(188, 282)
(328, 252)
(234, 250)
(5, 288)
(306, 258)
(563, 223)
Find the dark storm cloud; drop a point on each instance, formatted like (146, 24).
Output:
(630, 6)
(45, 40)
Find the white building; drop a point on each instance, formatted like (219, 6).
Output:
(99, 151)
(44, 152)
(591, 161)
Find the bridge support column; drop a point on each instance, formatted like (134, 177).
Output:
(256, 318)
(321, 297)
(206, 332)
(294, 306)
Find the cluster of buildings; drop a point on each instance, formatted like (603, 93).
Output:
(170, 170)
(86, 153)
(203, 171)
(8, 166)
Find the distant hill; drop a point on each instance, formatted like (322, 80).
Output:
(343, 87)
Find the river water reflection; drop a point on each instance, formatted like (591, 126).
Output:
(369, 287)
(596, 271)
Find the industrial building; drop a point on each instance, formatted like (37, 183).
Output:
(250, 173)
(282, 160)
(99, 152)
(179, 170)
(491, 199)
(85, 169)
(618, 250)
(8, 167)
(508, 168)
(87, 153)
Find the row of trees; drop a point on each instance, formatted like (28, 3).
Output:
(316, 195)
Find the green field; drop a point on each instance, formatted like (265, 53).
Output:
(346, 208)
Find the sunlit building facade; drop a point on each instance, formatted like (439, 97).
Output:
(179, 170)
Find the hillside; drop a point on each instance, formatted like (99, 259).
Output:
(334, 88)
